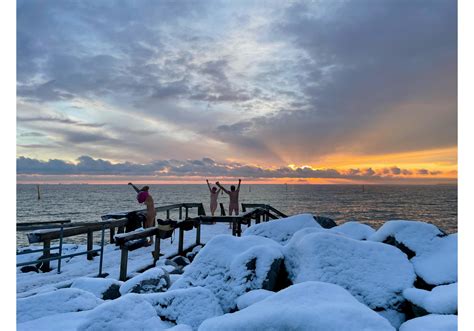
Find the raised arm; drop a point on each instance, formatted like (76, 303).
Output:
(207, 181)
(222, 188)
(238, 186)
(134, 187)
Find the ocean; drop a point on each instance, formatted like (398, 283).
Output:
(370, 204)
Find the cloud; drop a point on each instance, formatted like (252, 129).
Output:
(204, 167)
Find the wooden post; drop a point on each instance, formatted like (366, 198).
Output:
(156, 254)
(180, 213)
(168, 214)
(123, 264)
(239, 228)
(181, 241)
(89, 245)
(257, 219)
(112, 234)
(198, 234)
(187, 213)
(121, 229)
(46, 254)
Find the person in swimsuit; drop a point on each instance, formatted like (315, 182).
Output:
(214, 195)
(233, 197)
(143, 196)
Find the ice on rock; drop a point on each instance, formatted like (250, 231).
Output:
(374, 273)
(281, 230)
(230, 266)
(309, 306)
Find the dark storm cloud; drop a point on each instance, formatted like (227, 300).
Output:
(205, 167)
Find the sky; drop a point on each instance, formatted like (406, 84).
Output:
(360, 91)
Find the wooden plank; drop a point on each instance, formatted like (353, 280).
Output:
(121, 239)
(89, 244)
(156, 252)
(181, 241)
(123, 265)
(198, 233)
(51, 234)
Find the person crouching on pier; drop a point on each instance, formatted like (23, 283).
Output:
(214, 195)
(144, 196)
(233, 197)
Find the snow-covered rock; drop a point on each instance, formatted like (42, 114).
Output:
(189, 306)
(431, 323)
(375, 273)
(129, 312)
(60, 301)
(312, 306)
(103, 288)
(440, 300)
(151, 281)
(230, 266)
(354, 230)
(433, 254)
(252, 297)
(438, 265)
(412, 237)
(281, 230)
(325, 222)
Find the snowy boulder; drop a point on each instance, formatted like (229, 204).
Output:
(432, 252)
(325, 222)
(151, 281)
(252, 297)
(354, 230)
(103, 288)
(189, 306)
(281, 230)
(130, 312)
(311, 306)
(230, 266)
(438, 265)
(411, 237)
(440, 300)
(56, 302)
(374, 273)
(431, 323)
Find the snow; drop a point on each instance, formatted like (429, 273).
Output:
(312, 306)
(96, 286)
(224, 266)
(281, 230)
(435, 259)
(440, 300)
(438, 265)
(415, 235)
(56, 322)
(431, 323)
(130, 312)
(60, 301)
(354, 230)
(188, 306)
(153, 280)
(374, 273)
(252, 297)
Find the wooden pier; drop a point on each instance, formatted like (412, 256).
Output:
(130, 241)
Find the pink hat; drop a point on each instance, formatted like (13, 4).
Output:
(141, 196)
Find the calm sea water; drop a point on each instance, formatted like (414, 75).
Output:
(373, 204)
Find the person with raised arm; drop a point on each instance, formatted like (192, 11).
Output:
(214, 195)
(143, 196)
(233, 197)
